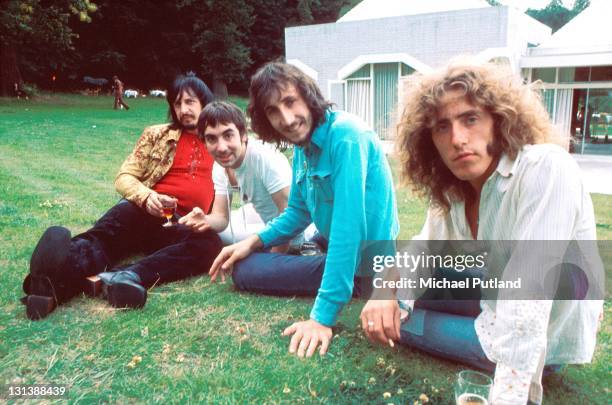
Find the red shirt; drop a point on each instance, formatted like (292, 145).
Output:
(190, 177)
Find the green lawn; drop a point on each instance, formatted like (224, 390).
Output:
(196, 341)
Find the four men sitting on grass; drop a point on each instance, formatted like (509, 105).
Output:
(473, 139)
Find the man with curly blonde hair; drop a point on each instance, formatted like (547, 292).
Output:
(477, 143)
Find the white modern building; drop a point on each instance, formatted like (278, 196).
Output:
(361, 61)
(575, 66)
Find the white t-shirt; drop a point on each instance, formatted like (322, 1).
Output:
(263, 172)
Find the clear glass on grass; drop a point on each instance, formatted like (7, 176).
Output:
(168, 208)
(472, 388)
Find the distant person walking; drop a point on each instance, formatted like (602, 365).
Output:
(118, 91)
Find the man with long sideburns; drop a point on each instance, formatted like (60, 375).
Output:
(341, 182)
(169, 167)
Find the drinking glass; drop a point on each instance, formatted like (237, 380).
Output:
(168, 208)
(472, 388)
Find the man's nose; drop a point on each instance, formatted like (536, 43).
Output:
(286, 117)
(459, 135)
(184, 108)
(221, 146)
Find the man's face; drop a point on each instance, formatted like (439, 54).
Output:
(225, 144)
(289, 115)
(187, 108)
(462, 133)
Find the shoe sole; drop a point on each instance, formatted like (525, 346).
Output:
(123, 295)
(39, 306)
(51, 252)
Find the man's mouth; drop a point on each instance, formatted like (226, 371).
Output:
(462, 156)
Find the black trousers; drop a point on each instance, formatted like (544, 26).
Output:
(171, 253)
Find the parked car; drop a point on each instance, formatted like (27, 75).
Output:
(157, 93)
(129, 93)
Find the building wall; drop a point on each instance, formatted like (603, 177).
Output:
(431, 38)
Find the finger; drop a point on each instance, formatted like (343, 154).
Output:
(216, 266)
(397, 325)
(314, 343)
(186, 218)
(364, 321)
(388, 324)
(303, 345)
(154, 201)
(290, 330)
(295, 341)
(202, 227)
(377, 331)
(324, 345)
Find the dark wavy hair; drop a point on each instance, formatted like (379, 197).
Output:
(192, 85)
(221, 112)
(271, 78)
(518, 114)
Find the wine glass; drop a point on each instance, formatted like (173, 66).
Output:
(168, 208)
(472, 388)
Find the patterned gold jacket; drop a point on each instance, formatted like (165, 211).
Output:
(149, 161)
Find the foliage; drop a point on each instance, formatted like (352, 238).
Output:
(41, 29)
(555, 15)
(220, 38)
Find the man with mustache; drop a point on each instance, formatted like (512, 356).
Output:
(169, 166)
(479, 146)
(341, 182)
(260, 174)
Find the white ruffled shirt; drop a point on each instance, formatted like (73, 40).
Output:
(538, 196)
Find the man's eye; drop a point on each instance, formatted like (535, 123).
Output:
(210, 139)
(440, 128)
(472, 119)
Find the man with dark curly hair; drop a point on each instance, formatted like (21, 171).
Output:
(476, 142)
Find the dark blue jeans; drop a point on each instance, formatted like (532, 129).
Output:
(283, 275)
(279, 274)
(171, 253)
(446, 329)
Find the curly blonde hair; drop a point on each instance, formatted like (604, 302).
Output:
(518, 113)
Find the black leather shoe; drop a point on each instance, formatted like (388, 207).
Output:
(124, 289)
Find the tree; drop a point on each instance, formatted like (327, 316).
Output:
(555, 15)
(220, 36)
(39, 27)
(145, 46)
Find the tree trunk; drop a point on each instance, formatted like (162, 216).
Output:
(9, 70)
(219, 87)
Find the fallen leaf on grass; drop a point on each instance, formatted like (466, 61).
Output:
(134, 362)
